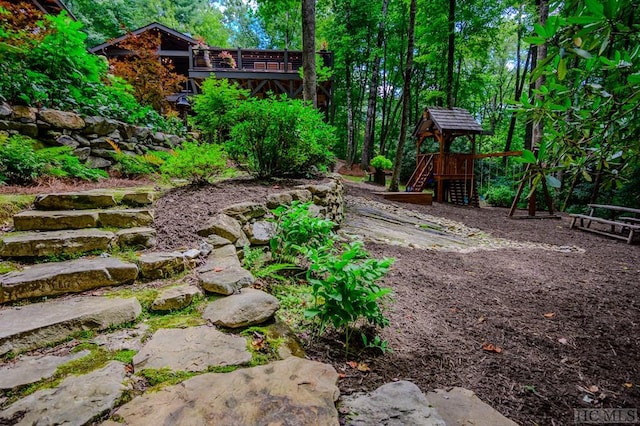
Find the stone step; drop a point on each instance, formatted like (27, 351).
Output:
(24, 328)
(50, 243)
(54, 220)
(51, 279)
(94, 199)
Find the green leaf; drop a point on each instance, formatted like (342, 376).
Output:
(634, 78)
(582, 53)
(528, 157)
(595, 7)
(562, 69)
(535, 40)
(553, 182)
(540, 30)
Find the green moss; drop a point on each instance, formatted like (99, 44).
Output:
(6, 267)
(145, 296)
(11, 204)
(262, 344)
(223, 369)
(294, 299)
(159, 378)
(125, 356)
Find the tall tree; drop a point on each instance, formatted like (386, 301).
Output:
(406, 98)
(309, 52)
(367, 144)
(451, 50)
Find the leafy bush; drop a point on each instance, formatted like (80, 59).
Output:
(215, 108)
(280, 137)
(500, 196)
(196, 162)
(133, 165)
(381, 162)
(344, 288)
(19, 163)
(296, 227)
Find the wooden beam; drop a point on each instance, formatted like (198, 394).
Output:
(499, 154)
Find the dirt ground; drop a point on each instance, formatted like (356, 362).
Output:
(568, 324)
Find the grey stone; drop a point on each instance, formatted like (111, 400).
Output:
(84, 142)
(246, 211)
(138, 198)
(290, 392)
(27, 129)
(191, 254)
(162, 264)
(241, 310)
(66, 140)
(99, 126)
(98, 163)
(222, 273)
(127, 131)
(72, 276)
(158, 137)
(173, 140)
(261, 232)
(46, 220)
(217, 241)
(41, 324)
(5, 110)
(301, 195)
(107, 154)
(129, 218)
(192, 349)
(460, 406)
(76, 401)
(62, 119)
(101, 144)
(205, 248)
(174, 298)
(393, 404)
(24, 114)
(123, 339)
(30, 369)
(74, 201)
(140, 237)
(142, 132)
(82, 153)
(279, 199)
(49, 243)
(115, 135)
(224, 226)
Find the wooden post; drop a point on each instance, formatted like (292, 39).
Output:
(440, 168)
(239, 63)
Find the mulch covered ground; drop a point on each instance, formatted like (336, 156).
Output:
(567, 324)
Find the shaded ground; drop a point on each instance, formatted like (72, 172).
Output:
(448, 304)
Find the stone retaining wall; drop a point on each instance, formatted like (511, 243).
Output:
(250, 223)
(88, 137)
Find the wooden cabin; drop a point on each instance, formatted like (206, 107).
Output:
(258, 70)
(451, 172)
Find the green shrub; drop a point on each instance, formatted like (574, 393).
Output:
(133, 165)
(500, 196)
(296, 227)
(215, 108)
(60, 162)
(280, 137)
(344, 288)
(195, 162)
(381, 162)
(19, 163)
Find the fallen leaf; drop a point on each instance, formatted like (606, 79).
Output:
(218, 269)
(341, 375)
(549, 315)
(352, 364)
(491, 348)
(481, 319)
(628, 385)
(563, 341)
(363, 367)
(593, 389)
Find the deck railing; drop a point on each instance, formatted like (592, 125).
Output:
(258, 60)
(456, 166)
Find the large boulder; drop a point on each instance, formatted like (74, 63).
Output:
(249, 307)
(290, 392)
(226, 227)
(174, 298)
(61, 119)
(192, 349)
(99, 126)
(393, 404)
(246, 211)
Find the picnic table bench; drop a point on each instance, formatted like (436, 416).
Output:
(621, 227)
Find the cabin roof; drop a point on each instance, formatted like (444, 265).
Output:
(181, 41)
(52, 7)
(456, 121)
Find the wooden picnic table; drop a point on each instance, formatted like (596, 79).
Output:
(621, 227)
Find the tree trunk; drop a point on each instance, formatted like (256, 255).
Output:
(367, 145)
(351, 149)
(406, 99)
(309, 52)
(451, 52)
